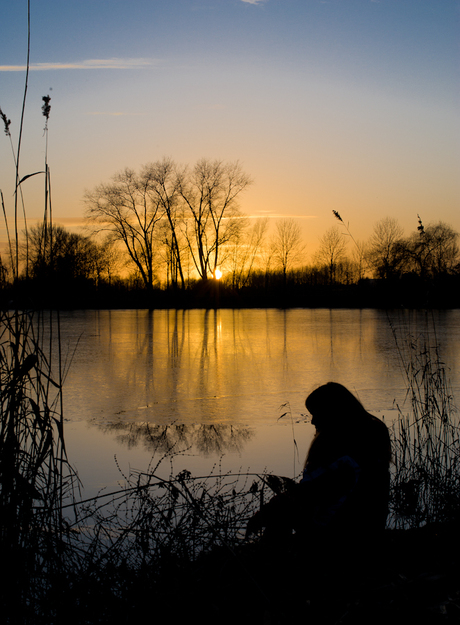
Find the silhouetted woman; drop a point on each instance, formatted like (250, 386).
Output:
(348, 461)
(343, 494)
(327, 528)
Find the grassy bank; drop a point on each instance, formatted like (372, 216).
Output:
(175, 547)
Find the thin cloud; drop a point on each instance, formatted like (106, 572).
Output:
(88, 64)
(112, 114)
(272, 215)
(253, 1)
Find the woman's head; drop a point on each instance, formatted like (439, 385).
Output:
(333, 406)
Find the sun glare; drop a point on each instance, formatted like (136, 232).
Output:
(218, 274)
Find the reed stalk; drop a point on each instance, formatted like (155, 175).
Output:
(36, 479)
(426, 439)
(35, 476)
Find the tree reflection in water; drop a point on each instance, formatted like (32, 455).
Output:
(204, 439)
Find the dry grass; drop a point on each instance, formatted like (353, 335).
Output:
(35, 476)
(426, 440)
(117, 552)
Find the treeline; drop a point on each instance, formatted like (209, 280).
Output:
(173, 236)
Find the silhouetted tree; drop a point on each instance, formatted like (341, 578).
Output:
(331, 251)
(165, 186)
(287, 248)
(3, 274)
(107, 260)
(245, 251)
(387, 251)
(129, 209)
(434, 250)
(190, 213)
(359, 255)
(55, 253)
(212, 218)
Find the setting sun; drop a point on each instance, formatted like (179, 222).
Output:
(218, 274)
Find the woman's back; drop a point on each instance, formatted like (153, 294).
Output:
(357, 446)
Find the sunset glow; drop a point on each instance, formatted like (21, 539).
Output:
(349, 106)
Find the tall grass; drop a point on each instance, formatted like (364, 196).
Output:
(426, 439)
(35, 476)
(36, 480)
(152, 519)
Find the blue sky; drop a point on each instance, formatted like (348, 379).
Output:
(351, 105)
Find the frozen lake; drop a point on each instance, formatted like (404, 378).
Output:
(211, 383)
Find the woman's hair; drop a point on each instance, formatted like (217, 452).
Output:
(335, 404)
(344, 426)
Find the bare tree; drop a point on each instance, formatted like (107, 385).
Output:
(165, 186)
(54, 252)
(108, 260)
(287, 247)
(331, 251)
(386, 251)
(245, 251)
(129, 209)
(3, 273)
(183, 213)
(359, 256)
(211, 215)
(434, 250)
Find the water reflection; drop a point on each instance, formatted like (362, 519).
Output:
(206, 440)
(233, 367)
(212, 382)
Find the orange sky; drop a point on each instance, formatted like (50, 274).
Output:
(348, 106)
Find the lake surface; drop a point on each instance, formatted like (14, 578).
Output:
(213, 383)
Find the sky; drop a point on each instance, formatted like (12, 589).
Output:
(346, 105)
